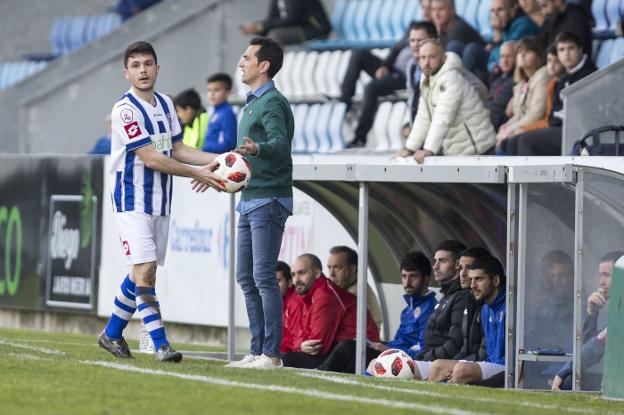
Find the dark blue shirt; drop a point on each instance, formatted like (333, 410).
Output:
(410, 336)
(493, 323)
(221, 132)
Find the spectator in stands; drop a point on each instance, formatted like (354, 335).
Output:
(342, 267)
(388, 76)
(328, 315)
(563, 17)
(410, 336)
(453, 119)
(507, 24)
(103, 144)
(425, 10)
(547, 141)
(532, 9)
(501, 84)
(128, 8)
(221, 132)
(555, 71)
(418, 32)
(290, 22)
(487, 277)
(443, 335)
(193, 117)
(454, 31)
(529, 96)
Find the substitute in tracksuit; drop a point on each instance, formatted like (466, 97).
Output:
(488, 285)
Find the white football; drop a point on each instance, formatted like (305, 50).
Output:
(394, 363)
(234, 170)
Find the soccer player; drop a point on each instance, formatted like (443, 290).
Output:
(146, 151)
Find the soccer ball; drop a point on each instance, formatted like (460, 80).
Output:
(394, 363)
(234, 170)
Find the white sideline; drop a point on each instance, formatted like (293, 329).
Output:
(276, 388)
(24, 356)
(350, 381)
(32, 348)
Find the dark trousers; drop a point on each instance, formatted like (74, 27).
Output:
(302, 360)
(473, 55)
(342, 358)
(363, 60)
(542, 142)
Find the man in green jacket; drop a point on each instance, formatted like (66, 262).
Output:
(264, 135)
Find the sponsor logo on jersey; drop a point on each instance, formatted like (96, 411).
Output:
(133, 130)
(127, 116)
(126, 247)
(162, 142)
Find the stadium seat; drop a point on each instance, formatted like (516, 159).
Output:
(460, 7)
(322, 128)
(321, 75)
(283, 78)
(397, 18)
(612, 9)
(70, 33)
(598, 8)
(361, 35)
(470, 14)
(385, 21)
(617, 52)
(306, 75)
(12, 73)
(604, 54)
(336, 124)
(483, 19)
(373, 23)
(410, 13)
(379, 140)
(299, 112)
(398, 117)
(309, 128)
(295, 70)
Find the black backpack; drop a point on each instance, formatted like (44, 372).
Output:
(592, 145)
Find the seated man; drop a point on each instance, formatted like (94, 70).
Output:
(291, 317)
(562, 16)
(291, 22)
(328, 315)
(501, 84)
(454, 31)
(591, 354)
(577, 65)
(452, 119)
(443, 335)
(487, 278)
(410, 336)
(343, 271)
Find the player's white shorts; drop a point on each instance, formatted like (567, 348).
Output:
(488, 369)
(143, 237)
(423, 368)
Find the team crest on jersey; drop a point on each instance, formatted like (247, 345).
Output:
(126, 247)
(132, 130)
(417, 312)
(126, 116)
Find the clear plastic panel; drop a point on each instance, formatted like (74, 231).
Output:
(549, 278)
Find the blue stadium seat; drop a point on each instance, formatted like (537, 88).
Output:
(483, 19)
(612, 9)
(322, 128)
(336, 123)
(337, 17)
(299, 143)
(617, 52)
(361, 31)
(13, 72)
(460, 7)
(309, 128)
(604, 54)
(410, 13)
(373, 23)
(385, 20)
(397, 18)
(470, 14)
(598, 9)
(71, 33)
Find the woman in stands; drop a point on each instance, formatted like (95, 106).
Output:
(529, 97)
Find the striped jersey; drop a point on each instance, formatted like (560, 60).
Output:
(136, 123)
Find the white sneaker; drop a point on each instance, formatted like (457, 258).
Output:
(263, 362)
(250, 358)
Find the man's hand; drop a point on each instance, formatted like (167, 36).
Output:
(312, 347)
(205, 178)
(420, 155)
(251, 28)
(380, 347)
(248, 148)
(596, 301)
(556, 383)
(403, 152)
(382, 71)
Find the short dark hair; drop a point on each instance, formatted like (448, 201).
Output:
(187, 98)
(315, 262)
(557, 257)
(551, 50)
(416, 261)
(569, 37)
(284, 269)
(221, 77)
(428, 27)
(139, 48)
(352, 256)
(475, 252)
(452, 246)
(612, 256)
(270, 51)
(491, 266)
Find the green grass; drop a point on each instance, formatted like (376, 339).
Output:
(53, 373)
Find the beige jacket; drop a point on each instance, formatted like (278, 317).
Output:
(451, 117)
(529, 104)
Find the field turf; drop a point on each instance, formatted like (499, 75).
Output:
(59, 373)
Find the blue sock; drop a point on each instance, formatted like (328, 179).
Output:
(149, 310)
(123, 309)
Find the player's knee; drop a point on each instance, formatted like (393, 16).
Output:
(145, 274)
(435, 371)
(463, 372)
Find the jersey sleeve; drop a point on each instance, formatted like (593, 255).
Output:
(128, 127)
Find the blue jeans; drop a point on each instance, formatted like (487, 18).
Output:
(473, 55)
(258, 244)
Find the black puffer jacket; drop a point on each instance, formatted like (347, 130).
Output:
(443, 336)
(472, 334)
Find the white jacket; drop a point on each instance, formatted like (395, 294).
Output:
(451, 117)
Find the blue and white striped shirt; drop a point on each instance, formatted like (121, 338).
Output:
(137, 123)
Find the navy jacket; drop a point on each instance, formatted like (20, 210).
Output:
(410, 336)
(493, 322)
